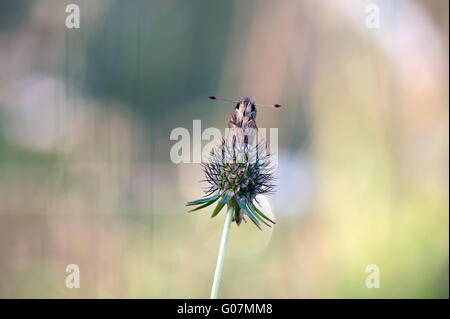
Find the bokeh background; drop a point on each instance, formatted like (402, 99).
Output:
(86, 177)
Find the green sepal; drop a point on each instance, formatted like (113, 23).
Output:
(218, 208)
(202, 200)
(249, 213)
(259, 212)
(237, 213)
(204, 205)
(224, 200)
(256, 214)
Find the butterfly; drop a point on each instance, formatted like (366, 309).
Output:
(243, 121)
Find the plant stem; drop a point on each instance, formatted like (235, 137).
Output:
(222, 249)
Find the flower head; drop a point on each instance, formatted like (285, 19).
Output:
(237, 173)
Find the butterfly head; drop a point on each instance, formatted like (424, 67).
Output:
(246, 108)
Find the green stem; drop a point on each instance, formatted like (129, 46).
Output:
(222, 249)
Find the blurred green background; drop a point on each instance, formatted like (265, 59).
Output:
(86, 177)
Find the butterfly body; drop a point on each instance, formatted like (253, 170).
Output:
(244, 114)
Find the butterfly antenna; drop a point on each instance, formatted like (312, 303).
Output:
(269, 105)
(220, 99)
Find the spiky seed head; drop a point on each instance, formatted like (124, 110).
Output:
(236, 174)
